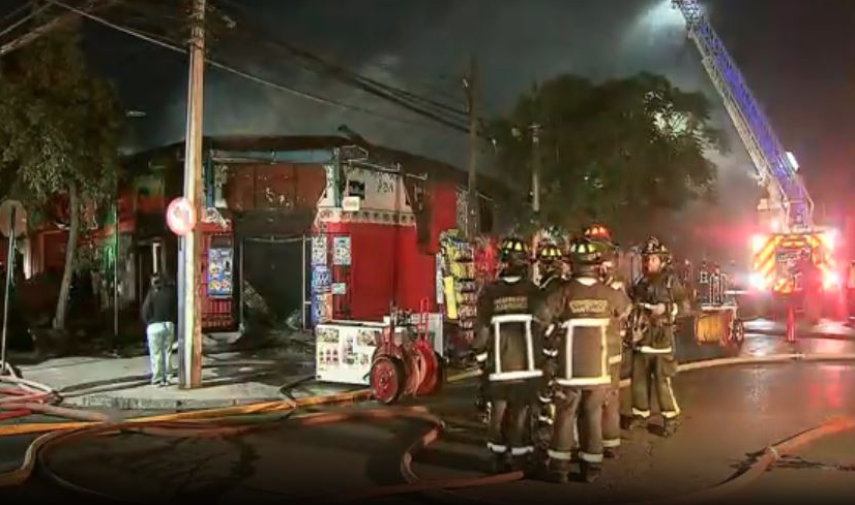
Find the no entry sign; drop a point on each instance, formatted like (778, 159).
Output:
(10, 225)
(181, 216)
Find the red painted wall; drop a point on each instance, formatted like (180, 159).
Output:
(387, 264)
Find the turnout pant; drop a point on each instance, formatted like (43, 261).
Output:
(160, 336)
(509, 432)
(586, 404)
(611, 410)
(652, 373)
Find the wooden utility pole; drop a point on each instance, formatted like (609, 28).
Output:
(190, 318)
(470, 87)
(535, 168)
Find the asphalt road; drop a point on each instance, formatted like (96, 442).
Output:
(730, 414)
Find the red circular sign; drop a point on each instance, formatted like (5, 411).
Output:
(181, 216)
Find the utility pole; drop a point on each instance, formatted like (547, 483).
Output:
(535, 168)
(470, 87)
(190, 319)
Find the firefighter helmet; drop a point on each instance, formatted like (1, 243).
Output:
(598, 233)
(583, 251)
(514, 250)
(653, 247)
(549, 252)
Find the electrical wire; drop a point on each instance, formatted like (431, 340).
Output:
(400, 97)
(373, 66)
(23, 20)
(246, 75)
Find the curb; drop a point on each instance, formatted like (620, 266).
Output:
(144, 404)
(107, 401)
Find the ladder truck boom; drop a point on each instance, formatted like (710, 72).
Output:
(777, 173)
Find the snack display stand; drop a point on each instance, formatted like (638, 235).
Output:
(459, 286)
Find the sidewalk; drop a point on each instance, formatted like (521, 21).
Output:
(229, 379)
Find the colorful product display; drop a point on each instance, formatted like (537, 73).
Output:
(460, 286)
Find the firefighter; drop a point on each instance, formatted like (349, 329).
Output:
(509, 344)
(657, 296)
(577, 317)
(703, 284)
(551, 262)
(611, 408)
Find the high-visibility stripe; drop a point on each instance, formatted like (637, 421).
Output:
(765, 252)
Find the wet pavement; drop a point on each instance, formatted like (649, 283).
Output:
(729, 414)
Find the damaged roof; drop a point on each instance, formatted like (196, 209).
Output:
(173, 154)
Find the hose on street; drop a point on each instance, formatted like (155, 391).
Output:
(21, 398)
(234, 421)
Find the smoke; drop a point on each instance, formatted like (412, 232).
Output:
(425, 47)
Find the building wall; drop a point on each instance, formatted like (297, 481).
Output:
(387, 262)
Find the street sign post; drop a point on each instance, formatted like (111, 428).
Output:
(181, 216)
(13, 222)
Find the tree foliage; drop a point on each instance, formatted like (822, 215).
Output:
(617, 152)
(60, 126)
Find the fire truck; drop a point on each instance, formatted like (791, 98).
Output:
(788, 237)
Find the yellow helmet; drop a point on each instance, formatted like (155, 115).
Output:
(549, 252)
(584, 251)
(514, 249)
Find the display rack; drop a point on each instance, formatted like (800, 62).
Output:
(459, 283)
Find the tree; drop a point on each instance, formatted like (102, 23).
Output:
(60, 128)
(618, 152)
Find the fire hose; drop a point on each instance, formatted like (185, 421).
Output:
(187, 425)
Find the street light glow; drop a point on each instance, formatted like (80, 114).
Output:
(661, 15)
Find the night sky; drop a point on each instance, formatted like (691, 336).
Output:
(796, 55)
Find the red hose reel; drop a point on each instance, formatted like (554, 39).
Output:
(405, 363)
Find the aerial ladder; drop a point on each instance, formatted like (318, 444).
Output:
(789, 232)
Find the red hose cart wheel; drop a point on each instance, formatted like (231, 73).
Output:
(387, 379)
(431, 370)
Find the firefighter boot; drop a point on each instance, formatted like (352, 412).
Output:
(556, 471)
(500, 463)
(590, 471)
(521, 464)
(635, 423)
(610, 452)
(669, 428)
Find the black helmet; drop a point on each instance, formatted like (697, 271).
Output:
(653, 247)
(549, 253)
(514, 251)
(585, 252)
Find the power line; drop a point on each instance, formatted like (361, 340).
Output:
(428, 86)
(259, 80)
(51, 25)
(385, 92)
(23, 20)
(330, 66)
(381, 90)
